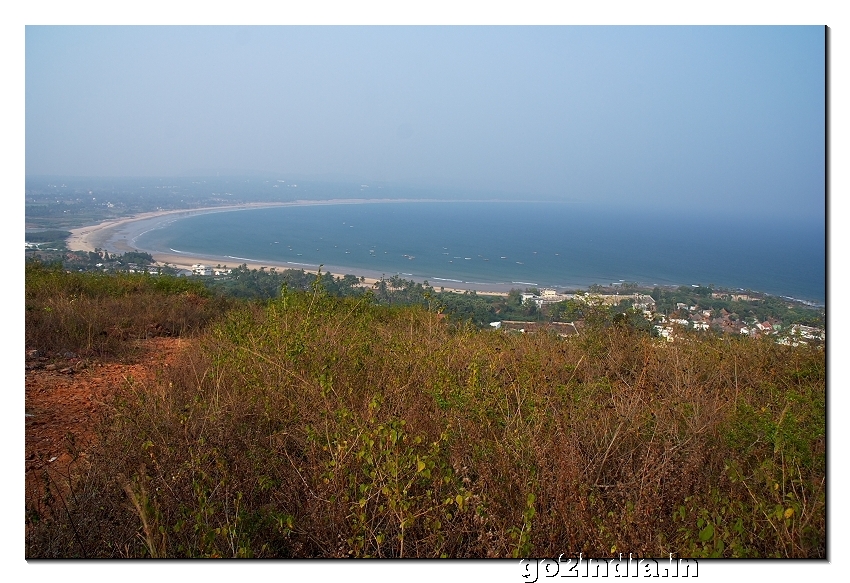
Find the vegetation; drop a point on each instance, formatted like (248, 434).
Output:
(94, 314)
(309, 425)
(48, 236)
(759, 307)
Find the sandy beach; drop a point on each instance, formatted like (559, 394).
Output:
(117, 235)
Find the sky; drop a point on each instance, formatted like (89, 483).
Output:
(688, 118)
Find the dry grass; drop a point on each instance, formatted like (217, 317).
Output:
(95, 314)
(320, 427)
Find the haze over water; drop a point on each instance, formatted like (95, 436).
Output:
(698, 153)
(517, 244)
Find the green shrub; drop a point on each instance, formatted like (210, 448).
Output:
(312, 426)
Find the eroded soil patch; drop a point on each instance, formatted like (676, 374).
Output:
(66, 397)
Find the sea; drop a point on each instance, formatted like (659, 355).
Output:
(499, 245)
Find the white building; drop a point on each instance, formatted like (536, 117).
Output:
(199, 269)
(547, 296)
(808, 332)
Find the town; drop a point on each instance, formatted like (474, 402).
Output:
(698, 316)
(664, 312)
(701, 313)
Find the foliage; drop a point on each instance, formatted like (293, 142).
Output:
(317, 426)
(93, 314)
(47, 236)
(759, 308)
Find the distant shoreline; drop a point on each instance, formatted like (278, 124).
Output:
(115, 236)
(118, 235)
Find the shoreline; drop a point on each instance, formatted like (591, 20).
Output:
(117, 235)
(87, 237)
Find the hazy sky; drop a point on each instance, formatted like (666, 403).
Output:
(679, 117)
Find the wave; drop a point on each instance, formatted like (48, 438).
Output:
(244, 259)
(476, 232)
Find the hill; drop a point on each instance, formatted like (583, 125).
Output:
(310, 425)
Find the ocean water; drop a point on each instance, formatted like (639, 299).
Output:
(557, 245)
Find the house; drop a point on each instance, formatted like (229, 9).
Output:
(547, 296)
(199, 269)
(639, 301)
(665, 332)
(808, 332)
(764, 327)
(644, 302)
(740, 298)
(526, 297)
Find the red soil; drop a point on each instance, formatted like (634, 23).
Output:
(65, 398)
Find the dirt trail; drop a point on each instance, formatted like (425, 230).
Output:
(65, 398)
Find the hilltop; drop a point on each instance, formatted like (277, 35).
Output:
(310, 425)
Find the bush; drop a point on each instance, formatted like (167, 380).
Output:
(93, 314)
(311, 426)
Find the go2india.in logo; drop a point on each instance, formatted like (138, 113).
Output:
(534, 569)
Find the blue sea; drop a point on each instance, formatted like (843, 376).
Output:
(561, 245)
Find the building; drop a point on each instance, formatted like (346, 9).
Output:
(807, 332)
(199, 269)
(665, 332)
(764, 327)
(639, 301)
(547, 296)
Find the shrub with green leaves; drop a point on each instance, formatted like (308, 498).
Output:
(313, 426)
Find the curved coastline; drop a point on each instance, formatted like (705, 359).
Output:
(118, 236)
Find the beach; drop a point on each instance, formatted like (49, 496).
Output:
(118, 236)
(544, 245)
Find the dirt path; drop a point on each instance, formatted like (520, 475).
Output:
(65, 398)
